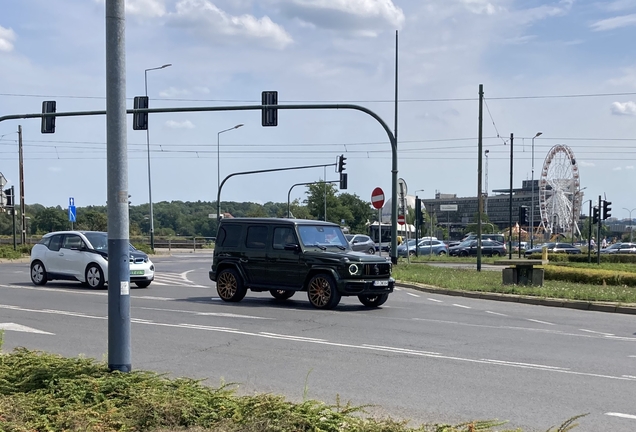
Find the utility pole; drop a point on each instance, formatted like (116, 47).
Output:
(512, 137)
(22, 215)
(598, 230)
(589, 235)
(479, 194)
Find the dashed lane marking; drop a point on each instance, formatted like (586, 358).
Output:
(412, 295)
(627, 416)
(435, 300)
(462, 306)
(540, 322)
(597, 332)
(496, 313)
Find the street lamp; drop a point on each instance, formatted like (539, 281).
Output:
(532, 207)
(218, 163)
(486, 154)
(631, 228)
(152, 219)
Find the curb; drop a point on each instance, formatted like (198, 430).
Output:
(515, 298)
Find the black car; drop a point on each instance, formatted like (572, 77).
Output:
(554, 248)
(283, 256)
(469, 248)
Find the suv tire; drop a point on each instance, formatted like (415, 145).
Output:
(38, 273)
(230, 286)
(373, 300)
(322, 292)
(281, 294)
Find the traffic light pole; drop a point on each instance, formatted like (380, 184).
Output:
(598, 235)
(589, 235)
(218, 194)
(304, 184)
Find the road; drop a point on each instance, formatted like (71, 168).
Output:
(422, 356)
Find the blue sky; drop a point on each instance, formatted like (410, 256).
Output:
(225, 52)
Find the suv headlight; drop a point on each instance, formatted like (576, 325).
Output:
(355, 269)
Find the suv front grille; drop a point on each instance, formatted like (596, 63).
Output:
(380, 269)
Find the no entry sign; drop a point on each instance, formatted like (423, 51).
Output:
(377, 198)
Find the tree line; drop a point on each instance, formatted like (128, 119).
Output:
(192, 218)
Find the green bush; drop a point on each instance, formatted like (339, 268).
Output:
(580, 258)
(7, 252)
(590, 276)
(143, 247)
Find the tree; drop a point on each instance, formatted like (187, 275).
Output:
(92, 220)
(361, 212)
(316, 203)
(50, 219)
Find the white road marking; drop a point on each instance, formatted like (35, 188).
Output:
(397, 289)
(632, 356)
(189, 312)
(596, 332)
(496, 313)
(526, 364)
(292, 337)
(159, 283)
(627, 416)
(154, 298)
(629, 376)
(341, 345)
(462, 306)
(434, 300)
(20, 328)
(540, 322)
(412, 295)
(401, 350)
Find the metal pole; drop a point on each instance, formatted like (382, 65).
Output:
(631, 229)
(152, 218)
(479, 153)
(218, 166)
(22, 205)
(380, 231)
(589, 235)
(510, 200)
(15, 246)
(325, 194)
(119, 353)
(302, 184)
(598, 230)
(394, 167)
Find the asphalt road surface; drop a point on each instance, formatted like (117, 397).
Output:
(424, 357)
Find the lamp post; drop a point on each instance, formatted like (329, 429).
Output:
(218, 163)
(532, 207)
(152, 219)
(631, 229)
(486, 181)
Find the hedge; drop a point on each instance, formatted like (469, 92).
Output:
(590, 276)
(605, 258)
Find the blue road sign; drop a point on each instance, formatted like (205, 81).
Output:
(71, 202)
(71, 213)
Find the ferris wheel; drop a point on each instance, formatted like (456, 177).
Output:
(559, 191)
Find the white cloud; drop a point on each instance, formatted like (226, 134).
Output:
(614, 23)
(617, 169)
(628, 78)
(55, 169)
(585, 164)
(185, 124)
(618, 5)
(174, 92)
(7, 36)
(203, 90)
(363, 17)
(624, 108)
(629, 167)
(205, 18)
(480, 6)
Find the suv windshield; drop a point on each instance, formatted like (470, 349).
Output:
(322, 236)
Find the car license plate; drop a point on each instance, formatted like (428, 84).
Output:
(136, 272)
(381, 283)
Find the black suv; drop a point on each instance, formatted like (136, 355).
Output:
(283, 256)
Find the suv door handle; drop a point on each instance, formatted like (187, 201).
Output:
(243, 260)
(61, 253)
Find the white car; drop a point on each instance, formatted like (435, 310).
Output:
(83, 256)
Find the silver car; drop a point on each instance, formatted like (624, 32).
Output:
(361, 243)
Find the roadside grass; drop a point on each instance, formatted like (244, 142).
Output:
(46, 392)
(622, 267)
(7, 252)
(491, 281)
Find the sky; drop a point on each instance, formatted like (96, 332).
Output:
(565, 68)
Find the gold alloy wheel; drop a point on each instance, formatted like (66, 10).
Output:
(320, 291)
(227, 285)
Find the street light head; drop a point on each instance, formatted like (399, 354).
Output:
(165, 66)
(486, 151)
(239, 125)
(538, 134)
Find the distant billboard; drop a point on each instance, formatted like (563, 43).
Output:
(448, 207)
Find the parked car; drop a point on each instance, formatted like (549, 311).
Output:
(620, 248)
(496, 237)
(425, 246)
(83, 256)
(284, 256)
(516, 245)
(361, 243)
(554, 248)
(469, 248)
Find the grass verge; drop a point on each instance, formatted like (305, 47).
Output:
(45, 392)
(490, 281)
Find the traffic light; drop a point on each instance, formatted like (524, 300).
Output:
(48, 123)
(523, 215)
(341, 163)
(343, 180)
(140, 120)
(595, 215)
(419, 215)
(9, 194)
(269, 115)
(606, 209)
